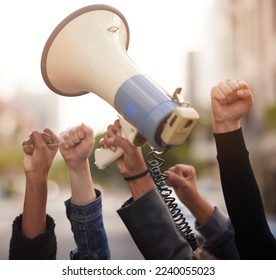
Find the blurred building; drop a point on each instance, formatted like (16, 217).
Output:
(253, 26)
(252, 46)
(36, 111)
(240, 43)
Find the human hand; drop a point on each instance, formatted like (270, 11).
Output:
(231, 100)
(132, 161)
(39, 151)
(76, 144)
(182, 178)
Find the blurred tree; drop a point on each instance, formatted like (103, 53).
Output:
(270, 117)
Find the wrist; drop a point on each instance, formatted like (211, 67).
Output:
(201, 209)
(222, 127)
(36, 176)
(141, 186)
(77, 166)
(137, 176)
(81, 183)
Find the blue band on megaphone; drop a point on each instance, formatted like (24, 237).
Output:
(145, 106)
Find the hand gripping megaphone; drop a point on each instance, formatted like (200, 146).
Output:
(87, 52)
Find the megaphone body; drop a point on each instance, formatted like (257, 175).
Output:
(87, 52)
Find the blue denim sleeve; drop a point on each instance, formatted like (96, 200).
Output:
(88, 230)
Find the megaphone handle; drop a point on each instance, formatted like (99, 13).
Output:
(104, 157)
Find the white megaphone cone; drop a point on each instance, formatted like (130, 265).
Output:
(87, 52)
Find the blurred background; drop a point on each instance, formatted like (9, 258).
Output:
(178, 43)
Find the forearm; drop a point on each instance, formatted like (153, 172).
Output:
(34, 209)
(242, 195)
(237, 177)
(153, 229)
(88, 229)
(82, 187)
(238, 181)
(226, 126)
(218, 235)
(201, 209)
(141, 186)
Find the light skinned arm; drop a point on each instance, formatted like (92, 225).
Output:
(76, 144)
(231, 100)
(156, 238)
(84, 208)
(39, 152)
(132, 161)
(183, 179)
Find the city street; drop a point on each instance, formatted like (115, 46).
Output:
(121, 245)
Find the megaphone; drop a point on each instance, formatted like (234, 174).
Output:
(87, 52)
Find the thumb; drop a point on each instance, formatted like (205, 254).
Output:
(87, 129)
(244, 94)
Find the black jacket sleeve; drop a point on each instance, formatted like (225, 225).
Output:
(243, 200)
(42, 247)
(153, 229)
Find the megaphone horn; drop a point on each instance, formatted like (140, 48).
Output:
(87, 52)
(82, 48)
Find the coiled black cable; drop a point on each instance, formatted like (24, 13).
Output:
(154, 166)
